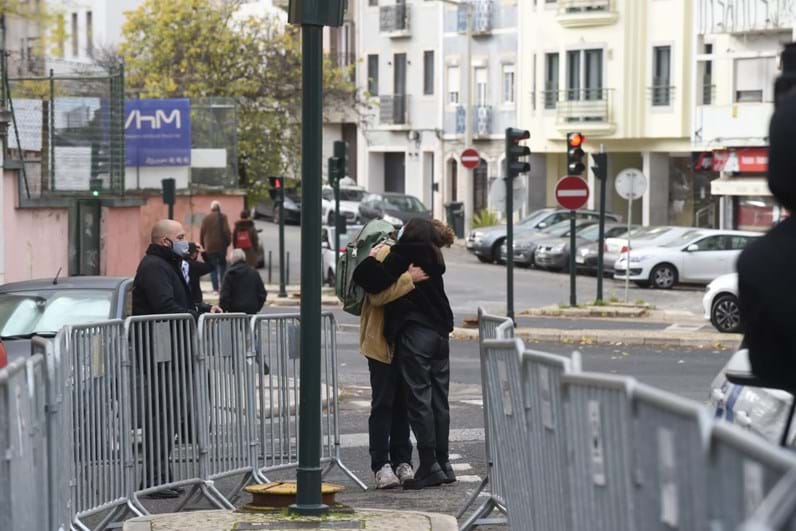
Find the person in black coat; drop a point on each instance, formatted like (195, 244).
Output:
(242, 290)
(196, 270)
(161, 286)
(767, 267)
(418, 326)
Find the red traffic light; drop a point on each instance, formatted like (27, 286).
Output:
(575, 139)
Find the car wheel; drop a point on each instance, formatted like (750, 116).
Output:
(483, 259)
(663, 276)
(726, 314)
(496, 252)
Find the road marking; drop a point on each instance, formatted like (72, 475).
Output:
(360, 440)
(359, 403)
(469, 479)
(683, 327)
(476, 402)
(454, 457)
(461, 467)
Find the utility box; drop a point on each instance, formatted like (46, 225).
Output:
(317, 12)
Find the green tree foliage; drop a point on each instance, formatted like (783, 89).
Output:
(200, 49)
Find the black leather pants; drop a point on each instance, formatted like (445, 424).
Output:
(424, 361)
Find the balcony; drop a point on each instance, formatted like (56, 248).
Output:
(482, 120)
(591, 110)
(584, 13)
(660, 95)
(394, 110)
(394, 21)
(756, 16)
(483, 16)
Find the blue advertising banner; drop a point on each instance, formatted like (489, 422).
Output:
(157, 132)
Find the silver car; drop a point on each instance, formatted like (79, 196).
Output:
(525, 246)
(554, 253)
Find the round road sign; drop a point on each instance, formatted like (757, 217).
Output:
(572, 192)
(471, 159)
(631, 184)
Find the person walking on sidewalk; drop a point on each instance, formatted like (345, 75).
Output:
(418, 325)
(244, 236)
(161, 286)
(243, 290)
(388, 424)
(215, 237)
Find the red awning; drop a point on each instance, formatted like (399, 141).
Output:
(743, 160)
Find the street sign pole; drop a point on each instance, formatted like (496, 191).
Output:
(601, 172)
(510, 247)
(281, 204)
(573, 296)
(630, 184)
(340, 173)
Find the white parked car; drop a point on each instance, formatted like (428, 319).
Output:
(328, 262)
(696, 257)
(721, 303)
(614, 247)
(350, 197)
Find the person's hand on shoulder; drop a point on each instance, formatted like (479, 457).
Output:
(417, 273)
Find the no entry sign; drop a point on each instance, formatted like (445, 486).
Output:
(471, 159)
(572, 192)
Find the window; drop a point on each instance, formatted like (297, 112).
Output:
(508, 84)
(573, 74)
(707, 78)
(711, 243)
(373, 74)
(481, 78)
(89, 34)
(550, 80)
(453, 85)
(661, 76)
(428, 72)
(585, 74)
(754, 79)
(373, 2)
(74, 35)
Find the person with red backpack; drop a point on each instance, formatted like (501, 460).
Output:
(244, 237)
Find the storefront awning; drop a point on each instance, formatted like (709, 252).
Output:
(751, 186)
(741, 160)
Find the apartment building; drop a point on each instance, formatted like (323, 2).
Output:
(400, 139)
(738, 45)
(620, 72)
(479, 75)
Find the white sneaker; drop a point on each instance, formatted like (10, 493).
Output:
(404, 471)
(386, 478)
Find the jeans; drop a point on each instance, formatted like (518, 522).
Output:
(218, 261)
(423, 357)
(388, 425)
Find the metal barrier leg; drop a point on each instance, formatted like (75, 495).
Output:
(479, 516)
(473, 497)
(784, 440)
(215, 497)
(337, 461)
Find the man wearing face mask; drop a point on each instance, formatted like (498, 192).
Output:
(161, 286)
(161, 282)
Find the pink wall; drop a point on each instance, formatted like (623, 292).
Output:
(120, 246)
(36, 240)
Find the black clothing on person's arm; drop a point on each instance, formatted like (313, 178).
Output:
(767, 300)
(160, 288)
(196, 270)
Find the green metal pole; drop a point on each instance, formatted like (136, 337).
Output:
(509, 243)
(282, 266)
(308, 474)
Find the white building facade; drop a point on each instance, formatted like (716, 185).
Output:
(738, 47)
(618, 71)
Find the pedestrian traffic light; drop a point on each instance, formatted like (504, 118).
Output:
(336, 171)
(600, 167)
(169, 191)
(95, 187)
(275, 190)
(514, 152)
(575, 154)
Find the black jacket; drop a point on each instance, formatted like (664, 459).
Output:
(427, 304)
(767, 299)
(160, 288)
(243, 290)
(196, 271)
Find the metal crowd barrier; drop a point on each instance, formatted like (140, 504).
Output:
(23, 445)
(777, 512)
(489, 327)
(168, 387)
(276, 349)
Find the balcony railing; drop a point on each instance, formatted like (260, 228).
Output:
(481, 120)
(394, 110)
(708, 94)
(584, 106)
(578, 13)
(550, 96)
(661, 95)
(483, 15)
(394, 20)
(754, 16)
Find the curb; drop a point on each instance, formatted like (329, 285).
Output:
(616, 312)
(711, 341)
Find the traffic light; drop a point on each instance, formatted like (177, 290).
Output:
(336, 171)
(275, 191)
(514, 152)
(575, 154)
(169, 191)
(600, 167)
(95, 187)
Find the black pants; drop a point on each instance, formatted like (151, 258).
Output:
(388, 425)
(424, 360)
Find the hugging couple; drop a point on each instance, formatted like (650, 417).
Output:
(405, 323)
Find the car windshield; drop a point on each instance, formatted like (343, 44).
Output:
(47, 311)
(351, 194)
(535, 217)
(404, 203)
(590, 232)
(685, 238)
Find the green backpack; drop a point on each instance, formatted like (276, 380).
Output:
(349, 293)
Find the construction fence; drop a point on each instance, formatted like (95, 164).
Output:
(109, 412)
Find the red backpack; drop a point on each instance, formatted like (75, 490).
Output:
(242, 240)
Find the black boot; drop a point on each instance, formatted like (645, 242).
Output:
(428, 474)
(447, 469)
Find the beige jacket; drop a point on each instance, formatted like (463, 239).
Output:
(371, 321)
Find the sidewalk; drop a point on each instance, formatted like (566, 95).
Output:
(371, 519)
